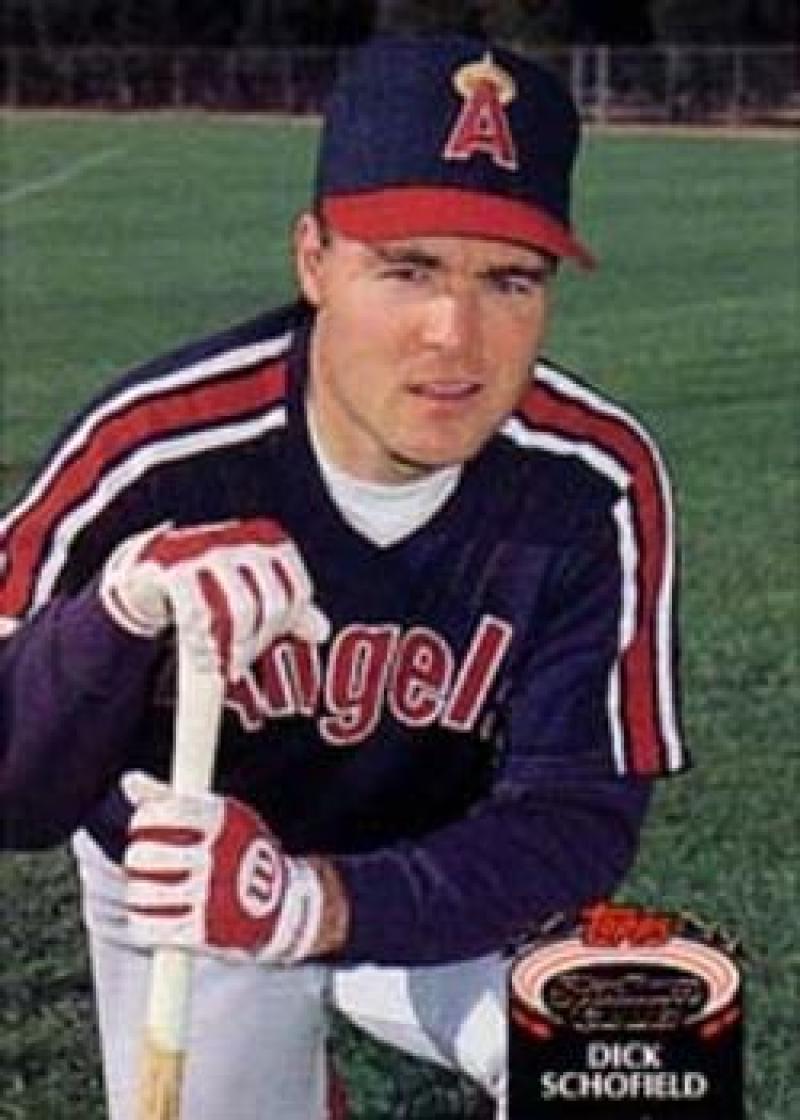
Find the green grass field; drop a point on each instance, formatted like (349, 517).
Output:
(122, 236)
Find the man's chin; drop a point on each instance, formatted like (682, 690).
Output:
(417, 464)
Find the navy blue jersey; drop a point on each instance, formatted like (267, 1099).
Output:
(472, 744)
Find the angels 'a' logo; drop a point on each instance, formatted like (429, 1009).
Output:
(483, 124)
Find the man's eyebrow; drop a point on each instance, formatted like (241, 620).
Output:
(533, 272)
(423, 258)
(406, 255)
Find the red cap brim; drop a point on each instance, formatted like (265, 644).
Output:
(395, 213)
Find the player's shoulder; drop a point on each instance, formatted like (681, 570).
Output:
(219, 389)
(232, 355)
(565, 417)
(179, 411)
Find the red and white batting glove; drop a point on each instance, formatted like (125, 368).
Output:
(231, 588)
(205, 873)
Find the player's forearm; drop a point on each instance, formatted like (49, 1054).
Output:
(475, 885)
(71, 690)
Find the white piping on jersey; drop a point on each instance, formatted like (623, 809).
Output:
(599, 459)
(623, 516)
(664, 612)
(520, 434)
(206, 369)
(132, 468)
(628, 555)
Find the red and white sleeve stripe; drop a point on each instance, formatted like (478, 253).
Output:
(564, 416)
(213, 403)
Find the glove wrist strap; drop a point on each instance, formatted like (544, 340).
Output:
(301, 916)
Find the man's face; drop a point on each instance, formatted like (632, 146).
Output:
(420, 348)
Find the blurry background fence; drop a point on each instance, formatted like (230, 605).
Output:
(730, 85)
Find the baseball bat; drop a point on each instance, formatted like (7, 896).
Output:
(198, 713)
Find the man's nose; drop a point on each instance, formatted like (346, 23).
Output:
(452, 323)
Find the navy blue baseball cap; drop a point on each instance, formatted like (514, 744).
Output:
(447, 135)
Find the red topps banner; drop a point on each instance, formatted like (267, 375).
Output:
(635, 1015)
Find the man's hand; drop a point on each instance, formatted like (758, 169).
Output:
(231, 588)
(205, 873)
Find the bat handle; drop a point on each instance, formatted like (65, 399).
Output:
(198, 714)
(168, 1006)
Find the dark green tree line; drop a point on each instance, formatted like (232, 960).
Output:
(286, 22)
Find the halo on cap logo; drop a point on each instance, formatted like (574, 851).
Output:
(483, 126)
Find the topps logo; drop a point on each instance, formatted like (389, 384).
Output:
(608, 925)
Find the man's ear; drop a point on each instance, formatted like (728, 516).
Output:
(309, 246)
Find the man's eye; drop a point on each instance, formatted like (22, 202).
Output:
(407, 273)
(518, 284)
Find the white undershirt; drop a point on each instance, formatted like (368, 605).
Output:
(383, 512)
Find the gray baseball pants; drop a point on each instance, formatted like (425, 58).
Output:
(257, 1043)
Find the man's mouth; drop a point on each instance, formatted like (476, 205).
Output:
(446, 391)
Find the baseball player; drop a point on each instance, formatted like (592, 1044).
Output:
(436, 571)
